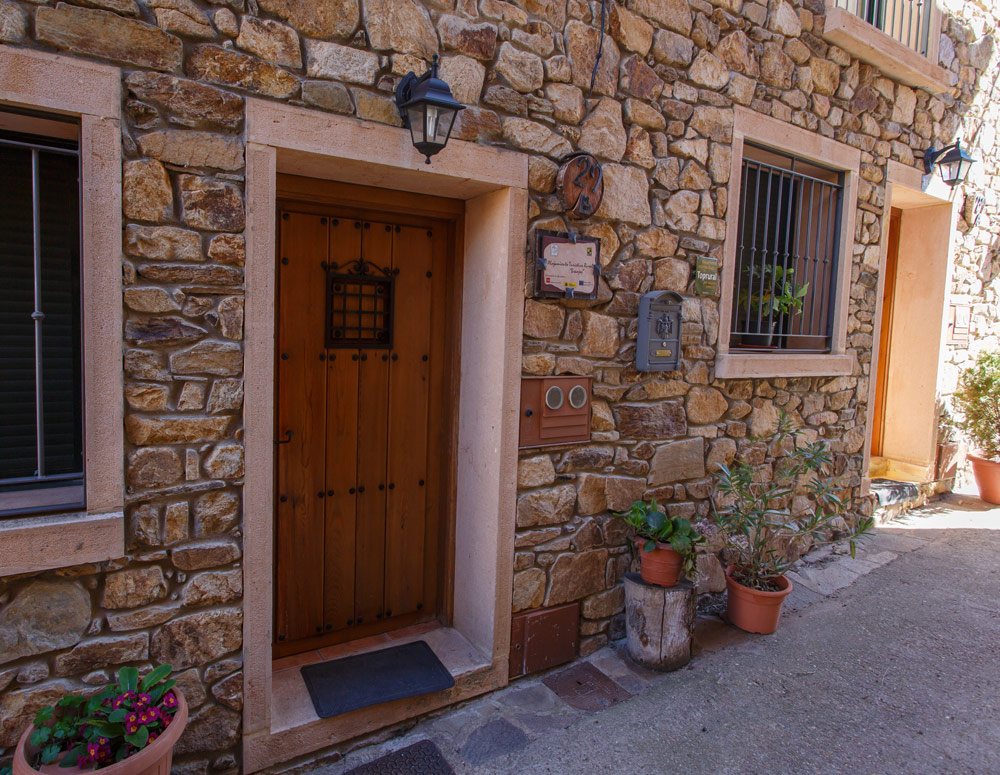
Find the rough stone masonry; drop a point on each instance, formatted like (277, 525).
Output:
(660, 119)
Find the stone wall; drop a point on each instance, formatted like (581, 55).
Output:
(977, 248)
(659, 117)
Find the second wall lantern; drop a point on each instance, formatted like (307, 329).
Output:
(427, 108)
(953, 161)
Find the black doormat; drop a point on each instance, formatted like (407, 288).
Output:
(342, 685)
(421, 758)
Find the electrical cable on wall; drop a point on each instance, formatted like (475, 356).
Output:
(600, 45)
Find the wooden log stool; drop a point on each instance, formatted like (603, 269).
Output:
(659, 622)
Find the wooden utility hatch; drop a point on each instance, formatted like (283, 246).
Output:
(361, 431)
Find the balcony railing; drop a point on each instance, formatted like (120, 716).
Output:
(905, 21)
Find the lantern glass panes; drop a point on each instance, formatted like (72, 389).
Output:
(428, 108)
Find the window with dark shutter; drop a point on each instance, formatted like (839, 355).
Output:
(41, 387)
(785, 279)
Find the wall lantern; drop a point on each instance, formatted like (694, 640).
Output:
(953, 161)
(426, 106)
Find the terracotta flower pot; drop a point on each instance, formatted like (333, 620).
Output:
(154, 759)
(753, 610)
(661, 567)
(987, 473)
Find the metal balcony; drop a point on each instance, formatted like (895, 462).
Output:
(905, 21)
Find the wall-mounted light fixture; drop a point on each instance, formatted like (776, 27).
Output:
(427, 108)
(953, 161)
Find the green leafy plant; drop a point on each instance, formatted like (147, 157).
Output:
(760, 532)
(108, 727)
(653, 526)
(978, 399)
(776, 293)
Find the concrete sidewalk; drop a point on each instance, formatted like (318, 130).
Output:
(886, 664)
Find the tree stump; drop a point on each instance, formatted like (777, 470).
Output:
(659, 623)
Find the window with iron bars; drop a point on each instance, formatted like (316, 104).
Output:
(41, 390)
(788, 244)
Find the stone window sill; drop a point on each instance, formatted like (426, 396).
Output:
(32, 544)
(871, 45)
(744, 366)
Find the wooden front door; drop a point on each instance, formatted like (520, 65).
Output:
(360, 374)
(885, 335)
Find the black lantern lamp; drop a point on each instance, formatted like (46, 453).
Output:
(953, 161)
(426, 106)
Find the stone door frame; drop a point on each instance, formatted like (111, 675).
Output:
(493, 183)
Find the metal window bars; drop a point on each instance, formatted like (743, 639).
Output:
(786, 258)
(40, 477)
(905, 21)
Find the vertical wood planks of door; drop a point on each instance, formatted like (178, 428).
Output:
(406, 506)
(373, 424)
(301, 461)
(341, 409)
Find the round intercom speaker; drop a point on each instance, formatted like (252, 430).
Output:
(554, 398)
(578, 396)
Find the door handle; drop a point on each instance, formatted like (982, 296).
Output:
(287, 440)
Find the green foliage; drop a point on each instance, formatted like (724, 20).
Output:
(776, 293)
(978, 398)
(760, 533)
(653, 525)
(100, 730)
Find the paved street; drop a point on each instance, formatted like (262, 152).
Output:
(884, 665)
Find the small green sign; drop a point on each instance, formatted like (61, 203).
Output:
(706, 276)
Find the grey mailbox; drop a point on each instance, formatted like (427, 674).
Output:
(659, 341)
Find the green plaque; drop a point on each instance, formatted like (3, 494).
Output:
(706, 276)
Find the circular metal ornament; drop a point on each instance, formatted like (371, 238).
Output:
(554, 398)
(578, 396)
(580, 185)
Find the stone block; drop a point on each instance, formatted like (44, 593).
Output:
(575, 576)
(43, 616)
(677, 461)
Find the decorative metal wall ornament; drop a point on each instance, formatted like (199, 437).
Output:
(974, 206)
(580, 185)
(427, 109)
(359, 305)
(566, 265)
(659, 336)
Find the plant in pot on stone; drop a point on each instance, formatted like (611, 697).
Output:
(129, 728)
(978, 399)
(667, 545)
(763, 540)
(767, 300)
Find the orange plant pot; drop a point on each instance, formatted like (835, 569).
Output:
(753, 610)
(661, 567)
(987, 473)
(154, 759)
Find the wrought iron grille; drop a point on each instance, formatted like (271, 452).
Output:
(40, 315)
(359, 305)
(905, 21)
(786, 255)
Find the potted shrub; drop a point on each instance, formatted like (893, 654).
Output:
(768, 299)
(129, 728)
(667, 544)
(763, 539)
(978, 399)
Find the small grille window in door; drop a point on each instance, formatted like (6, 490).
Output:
(359, 306)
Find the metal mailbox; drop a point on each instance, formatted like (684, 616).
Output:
(554, 410)
(659, 338)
